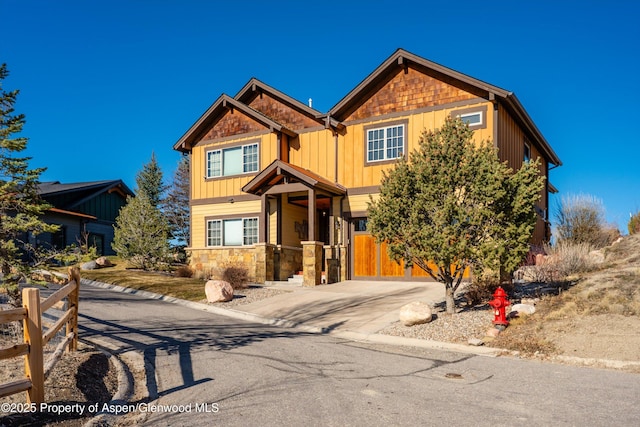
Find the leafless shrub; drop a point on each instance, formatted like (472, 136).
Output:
(235, 273)
(581, 219)
(184, 271)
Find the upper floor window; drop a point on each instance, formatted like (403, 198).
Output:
(474, 117)
(385, 143)
(527, 152)
(232, 232)
(232, 161)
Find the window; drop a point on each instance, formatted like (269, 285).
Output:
(232, 161)
(385, 143)
(360, 224)
(472, 119)
(527, 152)
(232, 232)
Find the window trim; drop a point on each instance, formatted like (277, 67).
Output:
(482, 110)
(385, 126)
(208, 170)
(221, 231)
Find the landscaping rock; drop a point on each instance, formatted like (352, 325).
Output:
(218, 291)
(103, 261)
(90, 265)
(475, 342)
(415, 313)
(523, 308)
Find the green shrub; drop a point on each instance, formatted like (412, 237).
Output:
(634, 223)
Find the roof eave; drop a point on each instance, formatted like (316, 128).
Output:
(222, 104)
(512, 102)
(255, 85)
(403, 59)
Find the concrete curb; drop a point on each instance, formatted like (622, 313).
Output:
(356, 336)
(350, 335)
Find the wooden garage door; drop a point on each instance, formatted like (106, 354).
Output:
(371, 260)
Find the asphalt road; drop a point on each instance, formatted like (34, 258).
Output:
(222, 371)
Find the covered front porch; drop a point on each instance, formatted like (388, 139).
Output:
(300, 225)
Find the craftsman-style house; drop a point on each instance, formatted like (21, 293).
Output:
(84, 211)
(283, 188)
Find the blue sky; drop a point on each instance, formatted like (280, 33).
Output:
(105, 83)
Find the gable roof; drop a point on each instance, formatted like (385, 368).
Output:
(79, 192)
(276, 172)
(216, 111)
(255, 87)
(401, 59)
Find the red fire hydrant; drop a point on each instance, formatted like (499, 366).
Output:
(499, 304)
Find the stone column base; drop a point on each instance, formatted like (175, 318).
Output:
(311, 263)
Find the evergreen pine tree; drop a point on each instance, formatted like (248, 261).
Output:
(176, 205)
(149, 181)
(454, 206)
(20, 206)
(141, 234)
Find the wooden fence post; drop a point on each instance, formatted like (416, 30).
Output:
(34, 362)
(74, 299)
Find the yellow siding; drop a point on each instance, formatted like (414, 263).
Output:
(273, 222)
(200, 212)
(204, 189)
(314, 151)
(358, 203)
(292, 214)
(352, 171)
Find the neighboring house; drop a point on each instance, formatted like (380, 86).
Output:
(83, 210)
(282, 187)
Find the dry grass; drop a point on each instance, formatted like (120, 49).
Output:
(614, 289)
(191, 289)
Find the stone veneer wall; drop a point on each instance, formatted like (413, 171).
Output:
(206, 262)
(290, 261)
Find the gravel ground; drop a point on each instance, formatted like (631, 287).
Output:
(457, 328)
(247, 296)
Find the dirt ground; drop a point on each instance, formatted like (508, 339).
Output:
(594, 316)
(83, 377)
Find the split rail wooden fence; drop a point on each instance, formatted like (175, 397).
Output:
(36, 337)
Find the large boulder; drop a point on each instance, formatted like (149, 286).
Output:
(90, 265)
(218, 291)
(523, 308)
(103, 261)
(415, 313)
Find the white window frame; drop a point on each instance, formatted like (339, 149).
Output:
(217, 171)
(250, 231)
(386, 143)
(473, 113)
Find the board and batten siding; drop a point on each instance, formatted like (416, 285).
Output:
(354, 172)
(314, 151)
(199, 213)
(511, 143)
(204, 188)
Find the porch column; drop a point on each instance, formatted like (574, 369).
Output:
(263, 226)
(311, 263)
(311, 198)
